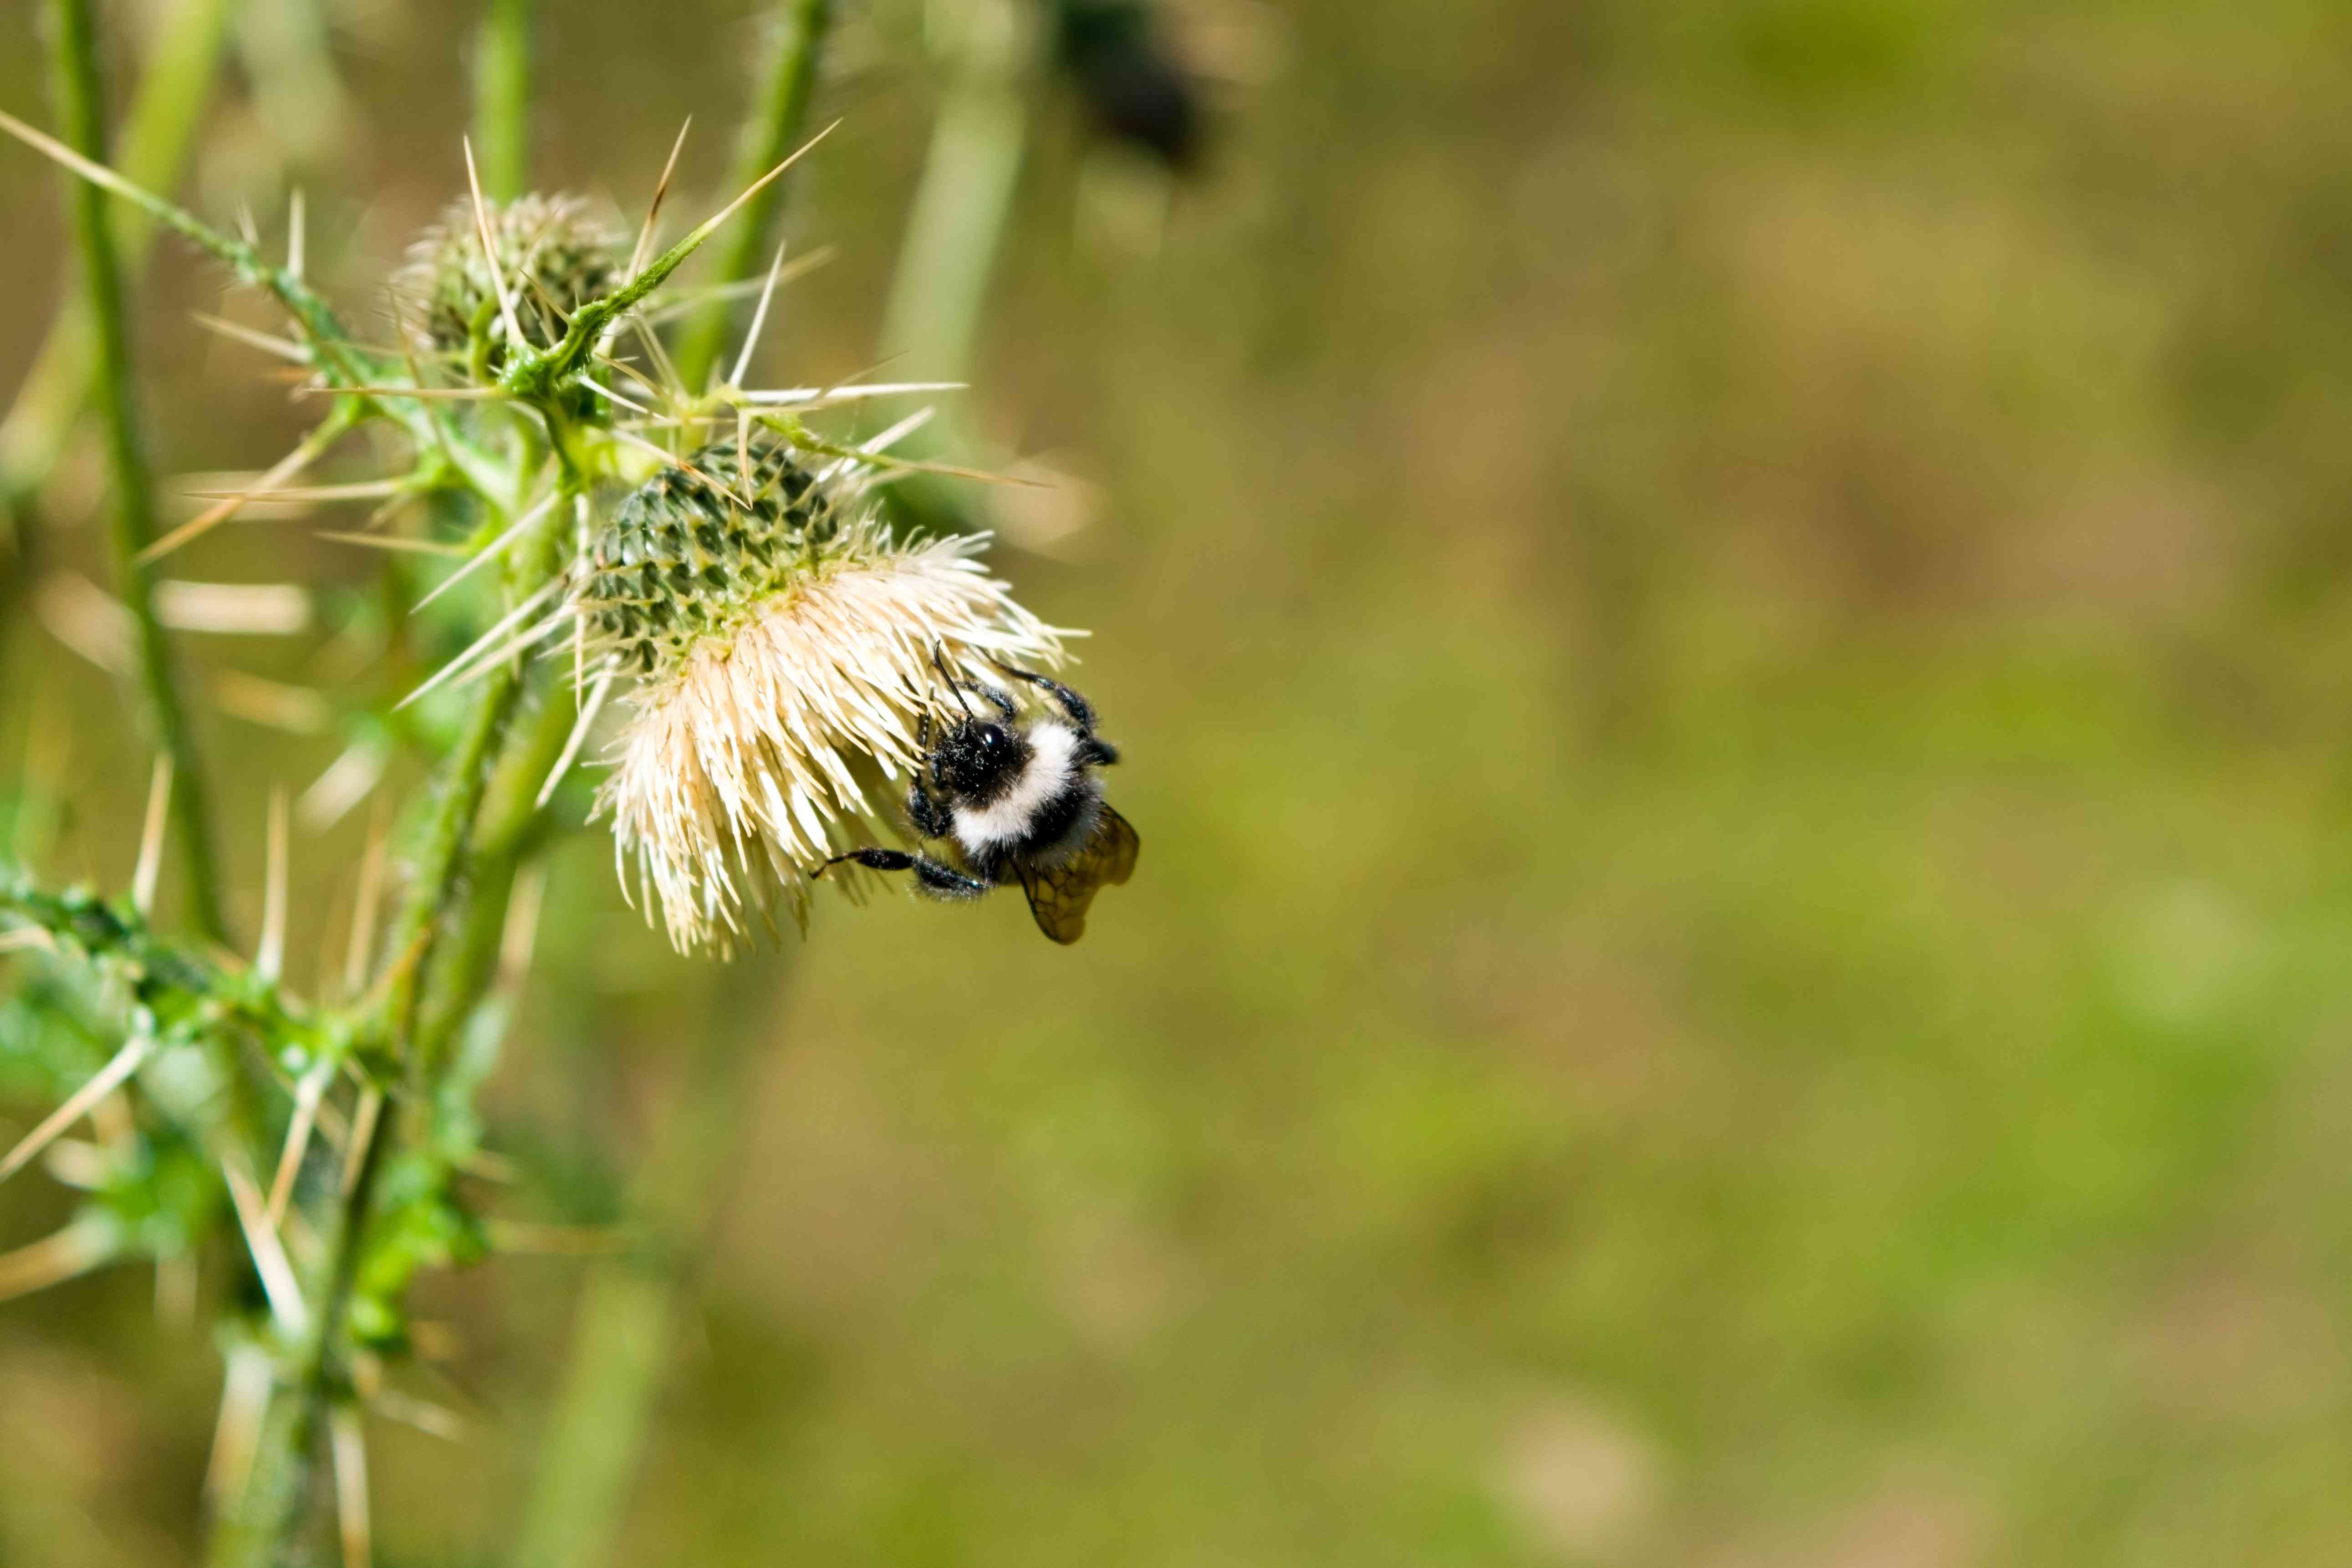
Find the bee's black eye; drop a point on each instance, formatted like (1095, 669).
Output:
(991, 737)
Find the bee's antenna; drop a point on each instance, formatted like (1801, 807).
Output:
(955, 690)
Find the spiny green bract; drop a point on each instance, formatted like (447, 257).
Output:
(557, 256)
(685, 558)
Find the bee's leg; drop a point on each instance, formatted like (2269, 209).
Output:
(941, 880)
(872, 859)
(929, 817)
(934, 877)
(1094, 749)
(1078, 708)
(1004, 704)
(958, 688)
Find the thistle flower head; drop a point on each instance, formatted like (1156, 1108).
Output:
(556, 253)
(783, 645)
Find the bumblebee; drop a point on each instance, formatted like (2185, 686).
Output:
(1018, 802)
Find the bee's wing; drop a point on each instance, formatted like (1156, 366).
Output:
(1059, 895)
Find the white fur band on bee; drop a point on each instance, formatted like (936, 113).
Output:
(1052, 769)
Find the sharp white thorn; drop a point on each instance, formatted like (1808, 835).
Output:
(363, 905)
(515, 345)
(151, 837)
(269, 1261)
(899, 431)
(269, 957)
(759, 320)
(450, 670)
(76, 1249)
(104, 1082)
(245, 1399)
(578, 738)
(348, 1439)
(606, 391)
(495, 547)
(653, 209)
(346, 782)
(522, 643)
(520, 936)
(307, 1091)
(798, 397)
(355, 1148)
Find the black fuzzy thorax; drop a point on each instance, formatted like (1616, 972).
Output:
(978, 764)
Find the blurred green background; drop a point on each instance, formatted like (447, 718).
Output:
(1730, 623)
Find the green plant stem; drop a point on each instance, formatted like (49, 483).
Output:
(960, 207)
(502, 98)
(277, 1508)
(287, 49)
(954, 229)
(786, 84)
(440, 863)
(622, 1338)
(161, 129)
(514, 827)
(73, 44)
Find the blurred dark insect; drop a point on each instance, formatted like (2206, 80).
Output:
(1137, 90)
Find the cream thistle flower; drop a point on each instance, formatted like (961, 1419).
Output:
(783, 644)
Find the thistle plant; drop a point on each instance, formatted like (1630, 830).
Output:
(614, 532)
(612, 551)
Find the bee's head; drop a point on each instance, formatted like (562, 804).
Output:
(975, 758)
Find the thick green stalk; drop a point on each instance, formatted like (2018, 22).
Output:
(73, 43)
(502, 100)
(156, 141)
(441, 862)
(287, 49)
(786, 84)
(962, 206)
(513, 829)
(622, 1338)
(279, 1507)
(957, 220)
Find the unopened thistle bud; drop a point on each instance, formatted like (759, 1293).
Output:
(783, 644)
(556, 256)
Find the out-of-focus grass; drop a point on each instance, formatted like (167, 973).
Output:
(1728, 625)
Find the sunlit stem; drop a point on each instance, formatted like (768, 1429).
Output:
(74, 56)
(154, 145)
(502, 98)
(785, 88)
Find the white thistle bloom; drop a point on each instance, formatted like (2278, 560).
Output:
(784, 656)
